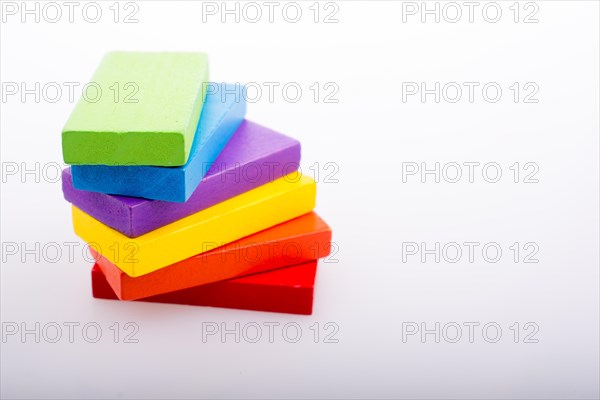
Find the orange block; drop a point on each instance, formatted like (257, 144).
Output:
(297, 241)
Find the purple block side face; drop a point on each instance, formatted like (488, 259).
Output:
(255, 155)
(114, 211)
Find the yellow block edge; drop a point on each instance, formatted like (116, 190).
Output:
(268, 205)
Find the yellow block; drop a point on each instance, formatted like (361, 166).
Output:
(258, 209)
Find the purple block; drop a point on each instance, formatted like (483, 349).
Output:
(255, 155)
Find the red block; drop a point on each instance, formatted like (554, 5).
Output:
(285, 290)
(299, 240)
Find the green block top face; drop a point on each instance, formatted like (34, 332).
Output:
(138, 109)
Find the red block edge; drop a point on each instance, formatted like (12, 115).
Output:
(286, 290)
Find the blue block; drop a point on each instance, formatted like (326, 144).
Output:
(223, 112)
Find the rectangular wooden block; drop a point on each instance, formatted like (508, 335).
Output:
(219, 120)
(302, 239)
(261, 208)
(254, 156)
(286, 290)
(138, 109)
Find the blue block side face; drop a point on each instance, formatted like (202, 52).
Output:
(224, 110)
(136, 181)
(214, 133)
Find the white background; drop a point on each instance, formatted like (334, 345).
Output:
(370, 294)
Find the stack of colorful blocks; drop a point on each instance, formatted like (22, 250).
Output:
(181, 199)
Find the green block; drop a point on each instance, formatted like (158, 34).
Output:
(138, 109)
